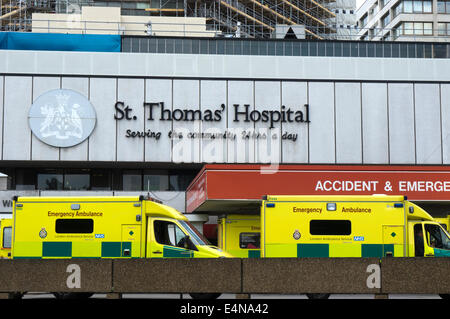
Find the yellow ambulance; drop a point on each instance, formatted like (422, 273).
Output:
(349, 226)
(106, 227)
(239, 235)
(5, 237)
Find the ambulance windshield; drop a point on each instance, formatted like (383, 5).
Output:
(196, 236)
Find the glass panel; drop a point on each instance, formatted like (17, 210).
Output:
(7, 235)
(50, 180)
(411, 50)
(419, 50)
(428, 28)
(427, 7)
(249, 240)
(100, 180)
(337, 49)
(131, 181)
(74, 226)
(370, 49)
(321, 48)
(387, 50)
(76, 181)
(440, 50)
(408, 28)
(442, 29)
(363, 49)
(156, 182)
(417, 7)
(330, 227)
(441, 6)
(25, 179)
(408, 6)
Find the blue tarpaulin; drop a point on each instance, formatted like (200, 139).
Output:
(59, 42)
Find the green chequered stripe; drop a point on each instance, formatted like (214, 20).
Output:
(65, 249)
(323, 250)
(57, 249)
(115, 249)
(313, 250)
(254, 253)
(174, 252)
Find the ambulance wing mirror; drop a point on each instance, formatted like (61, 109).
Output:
(188, 244)
(411, 209)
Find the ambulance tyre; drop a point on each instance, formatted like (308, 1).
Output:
(318, 296)
(15, 295)
(72, 295)
(445, 296)
(205, 296)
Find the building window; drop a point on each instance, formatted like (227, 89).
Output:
(415, 28)
(443, 6)
(386, 19)
(132, 180)
(76, 180)
(50, 180)
(443, 28)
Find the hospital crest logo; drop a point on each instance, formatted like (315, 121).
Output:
(62, 118)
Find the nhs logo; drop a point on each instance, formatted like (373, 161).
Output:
(99, 235)
(358, 238)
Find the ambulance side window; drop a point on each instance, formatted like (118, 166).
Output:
(436, 237)
(7, 232)
(249, 240)
(74, 226)
(330, 227)
(168, 233)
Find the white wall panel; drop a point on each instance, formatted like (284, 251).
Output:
(40, 150)
(102, 142)
(78, 152)
(294, 95)
(321, 128)
(428, 124)
(17, 133)
(213, 94)
(156, 91)
(348, 123)
(401, 123)
(240, 150)
(267, 98)
(131, 93)
(186, 96)
(375, 123)
(445, 109)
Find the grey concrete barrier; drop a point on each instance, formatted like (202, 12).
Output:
(415, 275)
(57, 275)
(178, 275)
(234, 275)
(310, 275)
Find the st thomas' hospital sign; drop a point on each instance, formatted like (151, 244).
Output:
(159, 111)
(65, 118)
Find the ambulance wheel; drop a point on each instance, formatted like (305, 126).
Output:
(15, 295)
(318, 296)
(445, 296)
(205, 296)
(72, 295)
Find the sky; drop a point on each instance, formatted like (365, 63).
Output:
(359, 3)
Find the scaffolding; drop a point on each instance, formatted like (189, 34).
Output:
(229, 18)
(259, 18)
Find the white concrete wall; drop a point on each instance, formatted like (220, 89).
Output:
(362, 111)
